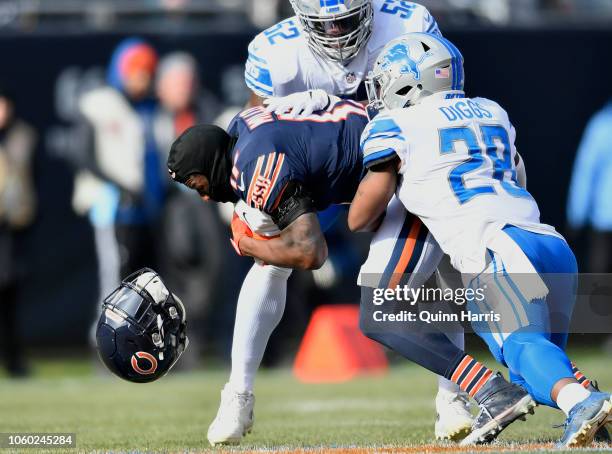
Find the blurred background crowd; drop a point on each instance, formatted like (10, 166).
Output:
(176, 15)
(92, 94)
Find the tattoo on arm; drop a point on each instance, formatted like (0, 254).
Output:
(300, 245)
(304, 234)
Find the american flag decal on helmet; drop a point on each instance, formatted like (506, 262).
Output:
(443, 73)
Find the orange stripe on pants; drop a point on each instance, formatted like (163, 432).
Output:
(406, 254)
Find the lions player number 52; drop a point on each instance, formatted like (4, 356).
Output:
(285, 30)
(404, 8)
(502, 166)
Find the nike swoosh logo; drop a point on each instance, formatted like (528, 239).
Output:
(241, 185)
(244, 216)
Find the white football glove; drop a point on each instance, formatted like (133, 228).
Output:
(299, 104)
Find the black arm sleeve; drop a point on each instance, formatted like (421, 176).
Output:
(294, 202)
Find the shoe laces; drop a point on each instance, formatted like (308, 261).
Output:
(461, 398)
(242, 399)
(484, 412)
(464, 399)
(567, 420)
(233, 402)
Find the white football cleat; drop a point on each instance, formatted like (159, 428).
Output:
(234, 418)
(454, 419)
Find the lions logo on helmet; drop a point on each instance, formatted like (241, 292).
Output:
(400, 54)
(336, 29)
(411, 68)
(141, 333)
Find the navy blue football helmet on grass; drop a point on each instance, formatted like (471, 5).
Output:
(141, 333)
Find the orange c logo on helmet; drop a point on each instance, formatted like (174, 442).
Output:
(149, 357)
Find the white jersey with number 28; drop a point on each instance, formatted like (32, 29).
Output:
(458, 172)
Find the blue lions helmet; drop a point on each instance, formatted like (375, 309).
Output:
(141, 333)
(411, 67)
(336, 29)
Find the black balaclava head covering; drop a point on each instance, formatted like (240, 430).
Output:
(204, 149)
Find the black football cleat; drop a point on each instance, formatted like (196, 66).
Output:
(501, 403)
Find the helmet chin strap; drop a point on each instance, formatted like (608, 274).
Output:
(417, 97)
(182, 306)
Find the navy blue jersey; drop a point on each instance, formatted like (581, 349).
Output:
(321, 151)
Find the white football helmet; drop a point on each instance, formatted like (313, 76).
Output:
(412, 67)
(336, 29)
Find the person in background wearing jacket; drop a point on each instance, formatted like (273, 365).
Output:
(590, 193)
(122, 182)
(192, 234)
(17, 212)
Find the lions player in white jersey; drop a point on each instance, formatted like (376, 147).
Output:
(327, 48)
(295, 67)
(451, 161)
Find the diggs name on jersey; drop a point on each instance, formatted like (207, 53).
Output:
(465, 110)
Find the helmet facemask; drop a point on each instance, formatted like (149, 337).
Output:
(384, 93)
(338, 36)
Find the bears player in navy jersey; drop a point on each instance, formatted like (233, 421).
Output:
(281, 172)
(277, 171)
(295, 67)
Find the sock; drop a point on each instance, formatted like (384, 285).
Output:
(585, 382)
(458, 339)
(471, 375)
(260, 308)
(538, 361)
(570, 395)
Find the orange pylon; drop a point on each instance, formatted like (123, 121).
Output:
(334, 350)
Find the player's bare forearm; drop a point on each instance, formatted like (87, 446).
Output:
(372, 197)
(301, 245)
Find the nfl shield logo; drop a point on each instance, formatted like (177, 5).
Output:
(351, 78)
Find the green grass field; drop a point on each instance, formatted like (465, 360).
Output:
(395, 411)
